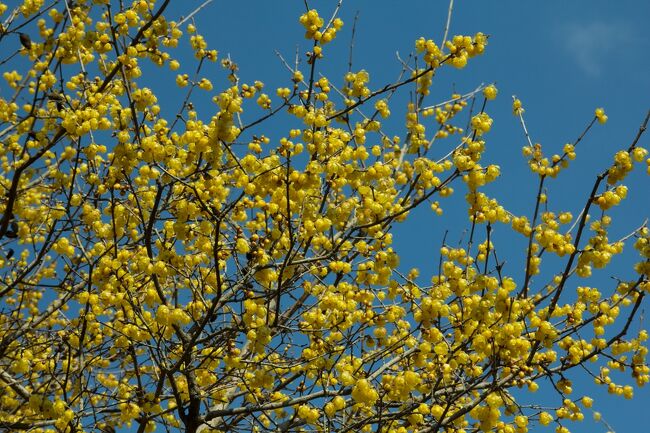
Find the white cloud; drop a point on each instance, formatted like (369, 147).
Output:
(591, 44)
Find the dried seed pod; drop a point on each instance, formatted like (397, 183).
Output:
(25, 40)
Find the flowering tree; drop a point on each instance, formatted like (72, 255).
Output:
(165, 272)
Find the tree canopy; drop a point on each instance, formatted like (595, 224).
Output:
(190, 271)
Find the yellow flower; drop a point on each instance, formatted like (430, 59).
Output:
(490, 92)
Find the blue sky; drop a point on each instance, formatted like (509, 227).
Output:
(563, 59)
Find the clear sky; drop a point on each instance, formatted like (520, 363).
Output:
(562, 58)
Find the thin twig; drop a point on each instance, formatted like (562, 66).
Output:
(354, 30)
(184, 20)
(460, 98)
(447, 25)
(523, 124)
